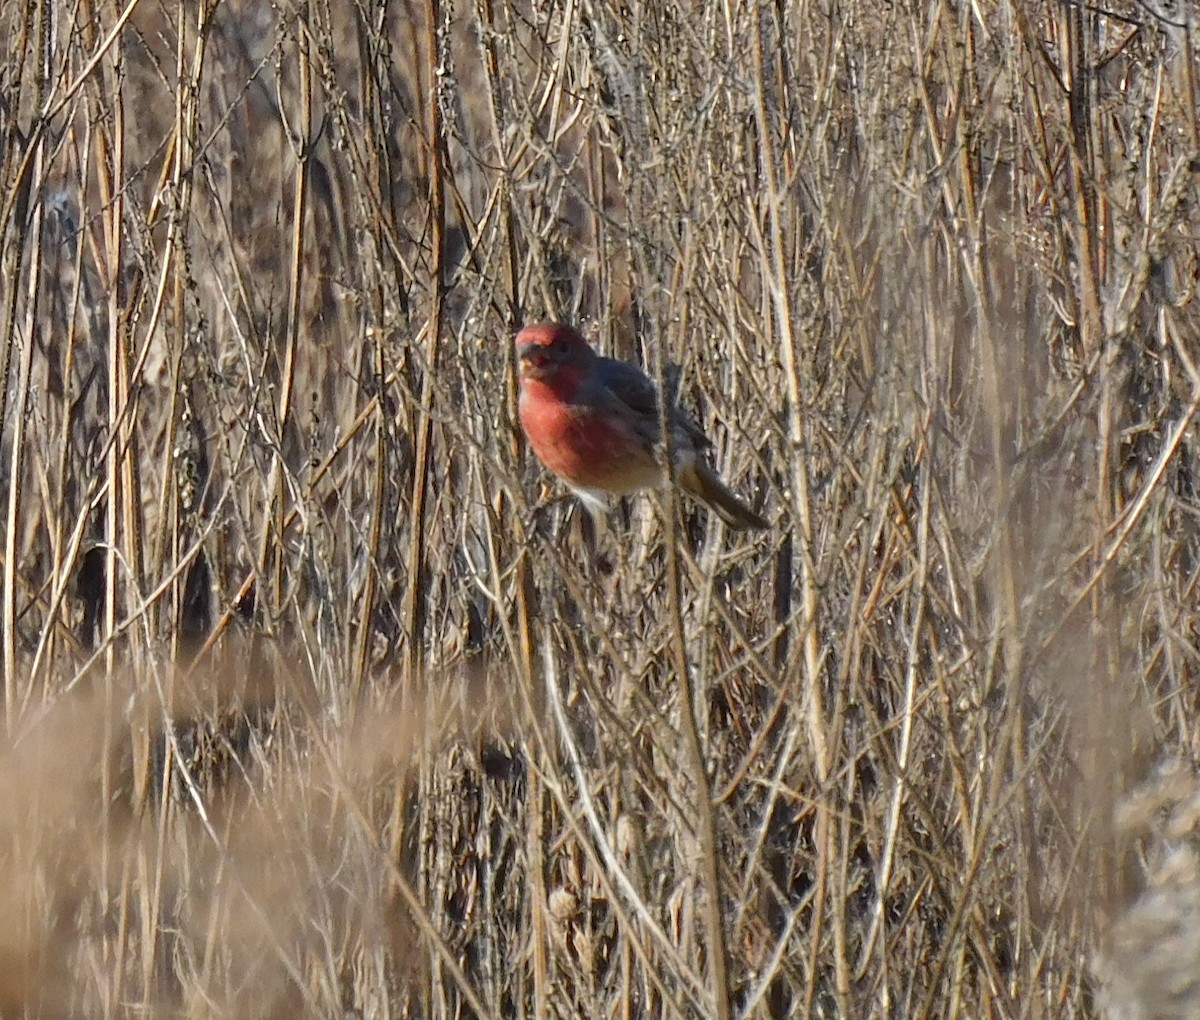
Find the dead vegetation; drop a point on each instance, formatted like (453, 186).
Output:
(312, 710)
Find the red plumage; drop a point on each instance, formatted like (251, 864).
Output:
(594, 422)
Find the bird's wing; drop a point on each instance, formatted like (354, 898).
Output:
(627, 390)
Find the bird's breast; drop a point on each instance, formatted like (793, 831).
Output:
(585, 447)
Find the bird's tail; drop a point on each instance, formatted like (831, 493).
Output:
(702, 482)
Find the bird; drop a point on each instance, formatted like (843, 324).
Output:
(594, 422)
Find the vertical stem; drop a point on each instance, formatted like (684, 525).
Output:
(110, 162)
(710, 871)
(696, 764)
(16, 465)
(415, 592)
(278, 515)
(110, 159)
(777, 283)
(1074, 37)
(362, 652)
(415, 609)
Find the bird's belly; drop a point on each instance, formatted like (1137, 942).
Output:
(590, 452)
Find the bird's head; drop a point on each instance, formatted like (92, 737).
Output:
(552, 353)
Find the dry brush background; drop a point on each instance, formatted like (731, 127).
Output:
(315, 706)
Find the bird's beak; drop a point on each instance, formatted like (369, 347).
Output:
(533, 362)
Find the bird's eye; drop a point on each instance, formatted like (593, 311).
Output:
(561, 347)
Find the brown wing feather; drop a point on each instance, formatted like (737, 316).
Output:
(626, 388)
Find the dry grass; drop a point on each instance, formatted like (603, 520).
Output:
(310, 710)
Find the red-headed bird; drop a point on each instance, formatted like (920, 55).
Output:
(593, 421)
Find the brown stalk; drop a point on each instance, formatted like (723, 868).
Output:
(415, 608)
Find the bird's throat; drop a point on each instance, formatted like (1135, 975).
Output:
(549, 382)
